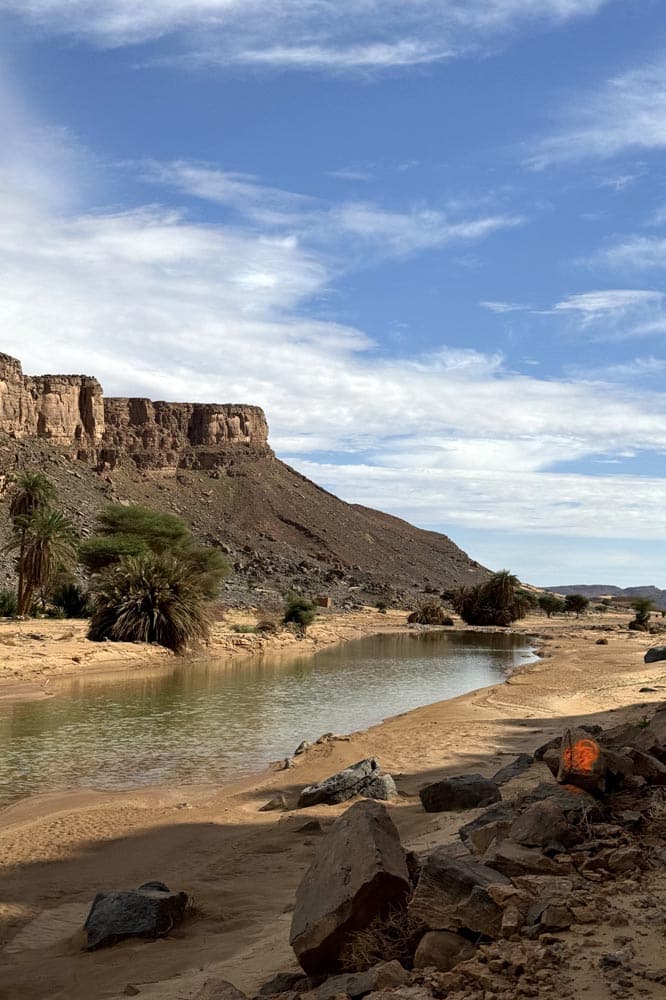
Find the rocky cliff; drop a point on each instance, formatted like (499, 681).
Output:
(212, 465)
(71, 412)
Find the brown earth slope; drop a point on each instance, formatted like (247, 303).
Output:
(211, 464)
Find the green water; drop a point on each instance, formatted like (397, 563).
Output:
(208, 721)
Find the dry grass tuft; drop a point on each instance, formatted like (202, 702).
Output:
(394, 936)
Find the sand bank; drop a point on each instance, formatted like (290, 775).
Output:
(241, 865)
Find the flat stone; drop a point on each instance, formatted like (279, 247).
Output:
(358, 875)
(381, 787)
(573, 801)
(274, 804)
(513, 859)
(284, 982)
(219, 989)
(648, 767)
(469, 791)
(542, 824)
(507, 773)
(383, 976)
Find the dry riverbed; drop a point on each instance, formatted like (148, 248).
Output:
(241, 865)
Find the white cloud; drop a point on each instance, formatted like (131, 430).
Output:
(612, 300)
(628, 112)
(612, 313)
(386, 232)
(635, 253)
(305, 34)
(503, 307)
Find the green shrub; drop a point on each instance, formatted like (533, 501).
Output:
(382, 607)
(149, 598)
(244, 629)
(299, 610)
(430, 613)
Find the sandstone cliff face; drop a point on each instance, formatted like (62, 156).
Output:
(176, 435)
(71, 412)
(68, 410)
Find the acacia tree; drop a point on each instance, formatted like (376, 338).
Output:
(576, 603)
(33, 491)
(550, 604)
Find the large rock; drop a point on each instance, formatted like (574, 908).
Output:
(443, 897)
(151, 911)
(362, 778)
(359, 874)
(655, 654)
(442, 950)
(522, 763)
(469, 791)
(542, 824)
(581, 761)
(382, 787)
(575, 803)
(648, 767)
(219, 989)
(493, 824)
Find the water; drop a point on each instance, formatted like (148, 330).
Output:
(206, 721)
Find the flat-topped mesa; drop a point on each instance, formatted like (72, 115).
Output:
(163, 436)
(67, 410)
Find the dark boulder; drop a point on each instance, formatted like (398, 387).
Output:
(469, 791)
(151, 911)
(443, 897)
(383, 976)
(358, 875)
(655, 654)
(581, 761)
(360, 778)
(542, 824)
(574, 802)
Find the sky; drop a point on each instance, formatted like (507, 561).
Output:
(428, 237)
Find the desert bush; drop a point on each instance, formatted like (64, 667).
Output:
(244, 629)
(382, 607)
(8, 603)
(149, 598)
(299, 610)
(430, 613)
(643, 608)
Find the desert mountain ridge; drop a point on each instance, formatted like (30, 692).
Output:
(598, 590)
(212, 465)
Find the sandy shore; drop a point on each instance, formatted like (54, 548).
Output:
(242, 866)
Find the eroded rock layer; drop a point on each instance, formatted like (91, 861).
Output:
(70, 411)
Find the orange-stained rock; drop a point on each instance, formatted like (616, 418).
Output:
(581, 761)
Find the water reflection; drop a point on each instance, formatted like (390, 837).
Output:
(206, 720)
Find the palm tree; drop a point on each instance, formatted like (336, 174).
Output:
(499, 601)
(33, 491)
(152, 597)
(46, 543)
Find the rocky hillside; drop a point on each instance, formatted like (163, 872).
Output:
(211, 464)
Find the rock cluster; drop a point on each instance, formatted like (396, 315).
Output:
(491, 914)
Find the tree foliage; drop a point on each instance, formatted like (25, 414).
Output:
(151, 597)
(576, 603)
(430, 613)
(43, 539)
(550, 604)
(136, 531)
(498, 601)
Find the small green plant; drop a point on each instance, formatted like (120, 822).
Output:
(643, 722)
(430, 613)
(299, 611)
(8, 603)
(244, 629)
(382, 607)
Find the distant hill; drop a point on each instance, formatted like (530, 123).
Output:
(598, 590)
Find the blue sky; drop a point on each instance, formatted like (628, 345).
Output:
(429, 238)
